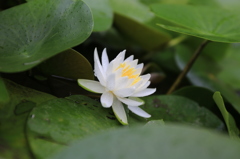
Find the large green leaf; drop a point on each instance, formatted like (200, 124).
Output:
(137, 22)
(102, 14)
(68, 64)
(210, 23)
(179, 109)
(229, 120)
(202, 96)
(149, 2)
(168, 142)
(229, 4)
(232, 5)
(39, 29)
(56, 123)
(204, 74)
(13, 117)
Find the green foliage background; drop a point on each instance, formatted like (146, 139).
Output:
(46, 45)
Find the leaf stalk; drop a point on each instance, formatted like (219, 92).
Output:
(188, 66)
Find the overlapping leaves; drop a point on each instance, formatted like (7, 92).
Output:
(37, 30)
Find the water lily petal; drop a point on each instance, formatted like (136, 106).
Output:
(124, 92)
(145, 77)
(118, 73)
(144, 80)
(122, 82)
(92, 86)
(139, 112)
(106, 99)
(111, 81)
(119, 112)
(139, 69)
(134, 101)
(130, 58)
(133, 63)
(119, 82)
(105, 60)
(98, 69)
(139, 66)
(142, 86)
(144, 92)
(120, 57)
(110, 68)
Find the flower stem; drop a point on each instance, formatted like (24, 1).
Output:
(188, 66)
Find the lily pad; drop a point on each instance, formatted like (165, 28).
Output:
(67, 64)
(212, 23)
(170, 142)
(179, 109)
(201, 95)
(56, 123)
(229, 4)
(13, 117)
(32, 32)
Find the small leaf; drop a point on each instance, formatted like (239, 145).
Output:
(229, 120)
(34, 31)
(155, 122)
(215, 24)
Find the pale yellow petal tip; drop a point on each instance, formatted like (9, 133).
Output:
(121, 121)
(81, 85)
(143, 102)
(155, 89)
(148, 116)
(95, 50)
(84, 86)
(79, 82)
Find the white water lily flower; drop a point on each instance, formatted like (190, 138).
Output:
(119, 82)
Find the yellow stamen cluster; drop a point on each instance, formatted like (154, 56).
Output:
(129, 72)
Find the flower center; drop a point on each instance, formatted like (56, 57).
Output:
(129, 72)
